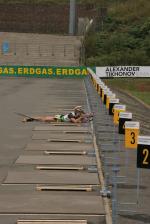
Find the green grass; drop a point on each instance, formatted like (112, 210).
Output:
(137, 87)
(144, 96)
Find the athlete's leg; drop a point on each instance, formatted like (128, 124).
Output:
(45, 118)
(40, 118)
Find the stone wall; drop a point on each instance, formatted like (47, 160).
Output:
(34, 18)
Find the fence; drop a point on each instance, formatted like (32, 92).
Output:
(130, 130)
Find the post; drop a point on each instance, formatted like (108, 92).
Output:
(72, 18)
(115, 171)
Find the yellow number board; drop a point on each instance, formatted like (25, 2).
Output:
(112, 102)
(109, 96)
(99, 89)
(117, 109)
(123, 117)
(104, 90)
(131, 134)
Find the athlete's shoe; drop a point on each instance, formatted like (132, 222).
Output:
(27, 119)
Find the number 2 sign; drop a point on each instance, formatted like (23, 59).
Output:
(143, 152)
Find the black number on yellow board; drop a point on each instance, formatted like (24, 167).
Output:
(133, 138)
(146, 154)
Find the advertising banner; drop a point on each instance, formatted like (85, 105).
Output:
(43, 71)
(123, 72)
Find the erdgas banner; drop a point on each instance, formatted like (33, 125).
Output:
(43, 71)
(123, 71)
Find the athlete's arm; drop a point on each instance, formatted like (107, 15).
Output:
(78, 120)
(73, 119)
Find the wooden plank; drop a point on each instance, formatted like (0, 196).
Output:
(77, 132)
(52, 222)
(61, 140)
(48, 152)
(64, 188)
(80, 168)
(67, 124)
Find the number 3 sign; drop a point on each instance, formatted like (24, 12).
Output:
(131, 134)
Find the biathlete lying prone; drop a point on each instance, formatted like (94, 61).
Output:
(76, 116)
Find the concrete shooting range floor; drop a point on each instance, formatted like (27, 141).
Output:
(56, 159)
(89, 218)
(22, 147)
(41, 202)
(64, 146)
(62, 129)
(39, 135)
(51, 177)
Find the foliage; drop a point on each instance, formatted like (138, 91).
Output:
(125, 38)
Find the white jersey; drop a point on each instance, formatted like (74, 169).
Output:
(67, 117)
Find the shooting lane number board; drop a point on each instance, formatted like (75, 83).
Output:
(110, 95)
(104, 90)
(117, 109)
(123, 117)
(131, 134)
(143, 152)
(111, 105)
(105, 95)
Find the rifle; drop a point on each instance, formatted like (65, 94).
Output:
(27, 116)
(87, 117)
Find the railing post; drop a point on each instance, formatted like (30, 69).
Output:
(72, 18)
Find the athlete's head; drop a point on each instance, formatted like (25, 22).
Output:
(78, 111)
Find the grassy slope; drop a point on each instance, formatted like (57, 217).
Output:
(125, 37)
(131, 13)
(138, 87)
